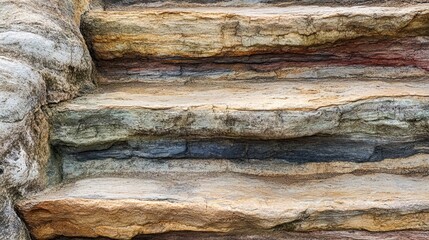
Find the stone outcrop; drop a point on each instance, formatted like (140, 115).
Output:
(227, 203)
(43, 59)
(214, 116)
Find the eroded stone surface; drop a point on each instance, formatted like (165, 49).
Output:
(43, 59)
(315, 235)
(23, 139)
(122, 208)
(134, 166)
(402, 59)
(133, 4)
(276, 110)
(45, 34)
(209, 32)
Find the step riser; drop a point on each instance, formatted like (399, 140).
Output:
(203, 73)
(363, 58)
(314, 149)
(241, 32)
(71, 168)
(308, 158)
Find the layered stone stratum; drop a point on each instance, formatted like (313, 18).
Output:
(242, 43)
(214, 119)
(121, 208)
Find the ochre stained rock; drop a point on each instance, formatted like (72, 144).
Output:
(210, 32)
(121, 208)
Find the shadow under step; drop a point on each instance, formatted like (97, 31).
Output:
(122, 208)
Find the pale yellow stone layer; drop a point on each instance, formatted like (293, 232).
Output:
(122, 208)
(208, 32)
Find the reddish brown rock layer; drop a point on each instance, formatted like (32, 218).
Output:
(361, 58)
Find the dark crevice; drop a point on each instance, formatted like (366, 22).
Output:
(302, 150)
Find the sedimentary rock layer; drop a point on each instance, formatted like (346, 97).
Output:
(122, 208)
(72, 168)
(128, 4)
(398, 59)
(311, 157)
(315, 235)
(276, 110)
(211, 32)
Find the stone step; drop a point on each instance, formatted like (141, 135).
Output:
(242, 43)
(121, 208)
(300, 129)
(214, 32)
(256, 111)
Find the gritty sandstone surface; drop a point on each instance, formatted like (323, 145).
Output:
(277, 110)
(43, 59)
(138, 4)
(209, 32)
(260, 43)
(227, 203)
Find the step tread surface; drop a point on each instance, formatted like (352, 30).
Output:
(125, 207)
(284, 95)
(275, 110)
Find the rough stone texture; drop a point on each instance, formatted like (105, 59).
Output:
(133, 4)
(262, 43)
(397, 59)
(42, 59)
(276, 110)
(381, 115)
(134, 167)
(211, 32)
(23, 139)
(316, 235)
(122, 208)
(46, 35)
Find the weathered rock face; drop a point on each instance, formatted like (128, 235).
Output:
(46, 35)
(249, 110)
(23, 139)
(264, 43)
(299, 129)
(42, 59)
(314, 235)
(296, 97)
(122, 208)
(133, 4)
(209, 32)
